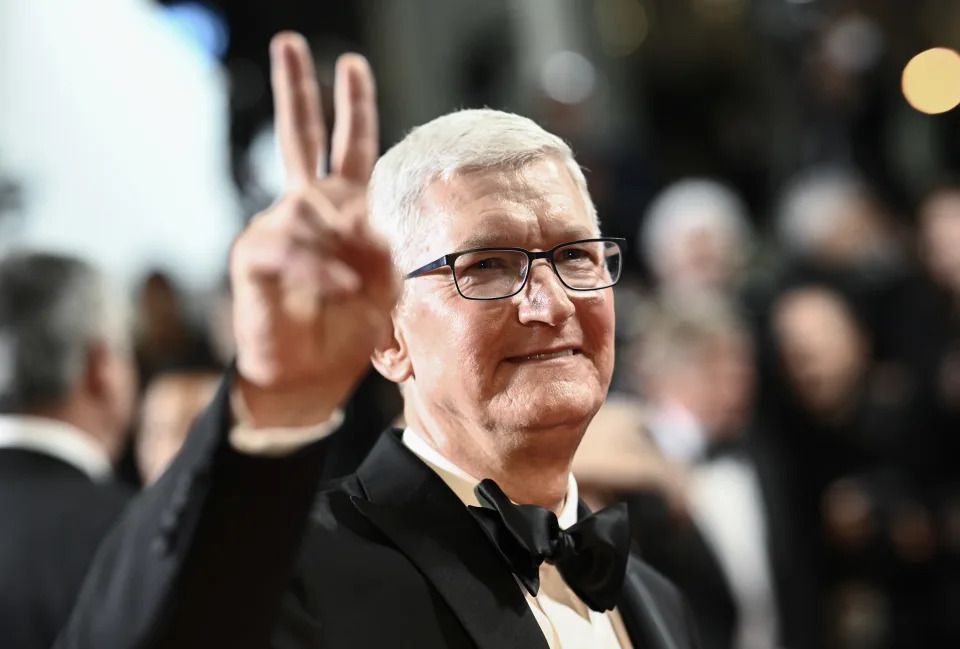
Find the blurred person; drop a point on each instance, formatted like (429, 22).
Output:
(735, 554)
(504, 355)
(853, 447)
(166, 339)
(67, 389)
(829, 218)
(171, 402)
(618, 456)
(220, 324)
(696, 237)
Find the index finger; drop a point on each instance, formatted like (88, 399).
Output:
(297, 119)
(356, 132)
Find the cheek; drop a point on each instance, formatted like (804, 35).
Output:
(461, 342)
(597, 321)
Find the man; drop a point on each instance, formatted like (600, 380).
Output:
(66, 397)
(171, 402)
(736, 554)
(503, 356)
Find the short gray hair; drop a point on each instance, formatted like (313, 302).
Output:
(52, 309)
(458, 142)
(673, 332)
(814, 205)
(689, 205)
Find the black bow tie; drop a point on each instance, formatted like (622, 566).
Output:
(591, 555)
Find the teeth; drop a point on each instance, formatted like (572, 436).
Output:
(546, 357)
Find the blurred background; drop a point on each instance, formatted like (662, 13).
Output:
(785, 415)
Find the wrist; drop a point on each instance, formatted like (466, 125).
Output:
(286, 406)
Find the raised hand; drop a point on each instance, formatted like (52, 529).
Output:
(313, 285)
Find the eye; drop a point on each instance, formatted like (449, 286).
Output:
(575, 254)
(489, 263)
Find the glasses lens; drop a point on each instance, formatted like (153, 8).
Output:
(490, 273)
(590, 264)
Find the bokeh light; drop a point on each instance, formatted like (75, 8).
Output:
(931, 80)
(568, 77)
(623, 25)
(200, 25)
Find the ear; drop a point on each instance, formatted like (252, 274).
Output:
(96, 376)
(391, 358)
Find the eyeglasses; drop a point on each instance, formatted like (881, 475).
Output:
(496, 273)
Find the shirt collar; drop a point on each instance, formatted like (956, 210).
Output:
(57, 439)
(463, 484)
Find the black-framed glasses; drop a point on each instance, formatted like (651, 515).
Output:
(496, 273)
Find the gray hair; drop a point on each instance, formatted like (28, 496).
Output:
(52, 309)
(815, 204)
(458, 142)
(674, 332)
(687, 206)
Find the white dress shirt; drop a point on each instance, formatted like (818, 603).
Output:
(57, 439)
(727, 505)
(564, 627)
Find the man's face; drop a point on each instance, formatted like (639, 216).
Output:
(471, 360)
(940, 239)
(823, 351)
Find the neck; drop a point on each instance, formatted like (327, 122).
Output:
(85, 419)
(530, 467)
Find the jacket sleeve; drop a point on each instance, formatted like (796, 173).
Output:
(202, 558)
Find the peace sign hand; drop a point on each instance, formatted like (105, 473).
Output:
(313, 286)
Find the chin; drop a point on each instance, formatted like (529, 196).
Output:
(565, 404)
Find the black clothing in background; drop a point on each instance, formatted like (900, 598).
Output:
(52, 518)
(675, 546)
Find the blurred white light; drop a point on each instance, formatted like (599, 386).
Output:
(568, 77)
(201, 25)
(131, 166)
(265, 162)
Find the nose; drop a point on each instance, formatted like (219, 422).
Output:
(544, 299)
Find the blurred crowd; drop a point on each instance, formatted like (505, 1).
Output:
(800, 397)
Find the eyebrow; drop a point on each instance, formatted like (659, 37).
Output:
(499, 240)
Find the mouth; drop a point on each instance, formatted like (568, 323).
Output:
(544, 356)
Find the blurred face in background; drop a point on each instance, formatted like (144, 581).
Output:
(714, 382)
(823, 350)
(702, 259)
(940, 239)
(171, 402)
(159, 310)
(115, 390)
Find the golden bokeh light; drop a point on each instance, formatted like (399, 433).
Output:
(931, 80)
(623, 25)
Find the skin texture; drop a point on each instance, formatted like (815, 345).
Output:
(517, 422)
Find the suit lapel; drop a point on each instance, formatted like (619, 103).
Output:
(638, 607)
(416, 510)
(642, 615)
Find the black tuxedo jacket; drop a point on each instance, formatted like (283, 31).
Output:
(52, 518)
(229, 550)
